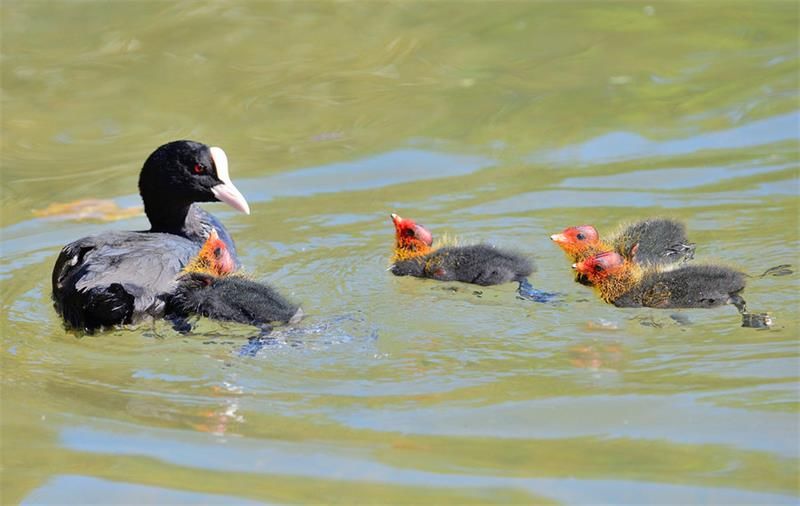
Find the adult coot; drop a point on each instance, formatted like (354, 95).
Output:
(120, 277)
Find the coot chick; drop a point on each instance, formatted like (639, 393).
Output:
(654, 241)
(120, 277)
(205, 289)
(231, 298)
(480, 264)
(627, 284)
(214, 258)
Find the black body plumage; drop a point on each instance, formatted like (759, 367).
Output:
(690, 286)
(480, 264)
(230, 298)
(117, 277)
(659, 240)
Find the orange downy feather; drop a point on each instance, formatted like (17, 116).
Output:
(213, 259)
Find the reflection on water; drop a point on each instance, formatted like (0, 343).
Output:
(617, 146)
(85, 490)
(387, 169)
(494, 122)
(671, 179)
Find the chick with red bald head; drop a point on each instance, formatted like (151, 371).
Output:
(624, 283)
(480, 264)
(651, 242)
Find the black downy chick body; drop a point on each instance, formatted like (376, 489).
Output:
(479, 264)
(655, 241)
(231, 298)
(690, 286)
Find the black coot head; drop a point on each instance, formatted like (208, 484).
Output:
(186, 171)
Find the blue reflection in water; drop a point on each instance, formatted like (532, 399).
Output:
(671, 178)
(69, 489)
(386, 169)
(617, 146)
(332, 461)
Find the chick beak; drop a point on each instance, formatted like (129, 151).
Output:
(558, 238)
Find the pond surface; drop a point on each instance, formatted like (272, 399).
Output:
(502, 122)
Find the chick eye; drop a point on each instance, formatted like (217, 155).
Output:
(217, 252)
(198, 169)
(598, 268)
(580, 236)
(408, 232)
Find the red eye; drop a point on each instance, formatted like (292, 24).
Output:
(198, 169)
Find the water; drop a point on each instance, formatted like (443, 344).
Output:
(502, 122)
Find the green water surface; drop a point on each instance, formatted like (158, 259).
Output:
(495, 121)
